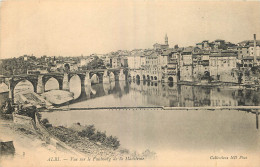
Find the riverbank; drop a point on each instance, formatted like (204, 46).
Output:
(29, 147)
(43, 143)
(94, 147)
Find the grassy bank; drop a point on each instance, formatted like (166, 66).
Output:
(92, 142)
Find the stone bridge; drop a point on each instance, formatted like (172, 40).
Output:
(86, 77)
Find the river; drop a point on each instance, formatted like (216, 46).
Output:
(165, 130)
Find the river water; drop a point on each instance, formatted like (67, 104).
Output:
(165, 130)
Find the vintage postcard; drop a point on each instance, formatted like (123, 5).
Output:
(129, 83)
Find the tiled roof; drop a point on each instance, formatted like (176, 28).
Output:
(188, 49)
(167, 52)
(219, 40)
(223, 54)
(249, 41)
(251, 58)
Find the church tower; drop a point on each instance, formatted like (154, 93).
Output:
(166, 39)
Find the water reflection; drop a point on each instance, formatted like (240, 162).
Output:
(106, 87)
(171, 130)
(75, 86)
(88, 91)
(171, 94)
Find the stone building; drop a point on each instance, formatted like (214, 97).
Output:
(152, 70)
(169, 65)
(186, 65)
(200, 65)
(164, 46)
(222, 65)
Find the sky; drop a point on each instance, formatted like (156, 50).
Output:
(83, 27)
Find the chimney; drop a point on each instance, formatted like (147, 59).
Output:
(255, 63)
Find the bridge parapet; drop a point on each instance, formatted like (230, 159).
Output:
(39, 80)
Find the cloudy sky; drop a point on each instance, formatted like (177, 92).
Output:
(75, 27)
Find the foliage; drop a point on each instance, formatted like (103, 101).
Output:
(98, 136)
(97, 63)
(112, 142)
(45, 121)
(28, 111)
(7, 108)
(16, 66)
(255, 70)
(88, 132)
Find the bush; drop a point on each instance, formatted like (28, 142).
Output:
(44, 121)
(112, 142)
(91, 134)
(88, 132)
(99, 137)
(29, 112)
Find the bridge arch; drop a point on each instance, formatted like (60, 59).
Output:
(148, 77)
(170, 79)
(151, 77)
(138, 78)
(75, 86)
(134, 78)
(52, 84)
(95, 79)
(111, 77)
(143, 77)
(155, 78)
(3, 87)
(22, 86)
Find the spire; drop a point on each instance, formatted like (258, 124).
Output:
(166, 39)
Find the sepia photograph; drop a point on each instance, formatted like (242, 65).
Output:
(129, 83)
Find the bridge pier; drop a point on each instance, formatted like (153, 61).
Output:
(111, 77)
(11, 90)
(65, 84)
(40, 86)
(106, 78)
(87, 81)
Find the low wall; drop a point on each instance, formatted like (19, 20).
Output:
(30, 124)
(50, 139)
(25, 121)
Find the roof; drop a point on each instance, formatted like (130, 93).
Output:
(154, 54)
(251, 58)
(251, 44)
(224, 54)
(246, 42)
(137, 54)
(188, 49)
(219, 40)
(167, 52)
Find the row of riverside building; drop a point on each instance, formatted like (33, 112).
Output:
(218, 61)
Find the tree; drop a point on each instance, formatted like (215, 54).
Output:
(97, 63)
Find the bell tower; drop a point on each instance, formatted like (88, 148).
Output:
(166, 39)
